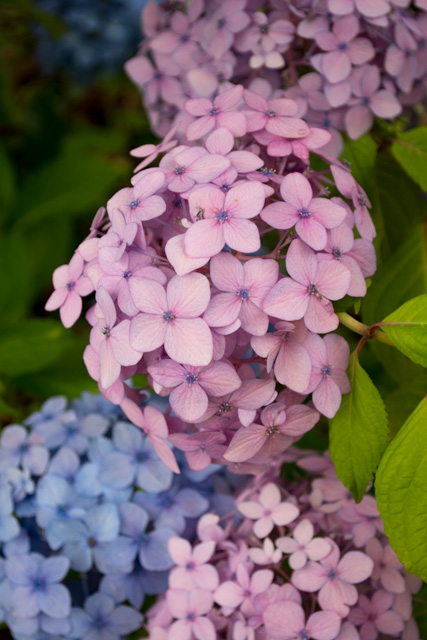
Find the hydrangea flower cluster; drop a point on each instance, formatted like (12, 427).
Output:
(86, 513)
(343, 61)
(98, 36)
(302, 561)
(215, 274)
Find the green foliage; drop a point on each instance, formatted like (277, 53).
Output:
(408, 329)
(401, 402)
(358, 433)
(401, 495)
(361, 154)
(410, 150)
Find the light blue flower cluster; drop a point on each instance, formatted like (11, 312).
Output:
(86, 512)
(98, 36)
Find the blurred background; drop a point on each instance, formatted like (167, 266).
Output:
(68, 118)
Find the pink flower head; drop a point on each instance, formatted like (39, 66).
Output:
(227, 20)
(372, 101)
(300, 147)
(267, 555)
(275, 433)
(387, 567)
(233, 594)
(307, 293)
(192, 385)
(224, 218)
(221, 142)
(249, 397)
(269, 510)
(334, 579)
(349, 189)
(310, 216)
(153, 423)
(120, 236)
(111, 340)
(151, 151)
(328, 380)
(219, 113)
(192, 570)
(400, 59)
(277, 117)
(286, 621)
(186, 166)
(200, 448)
(365, 7)
(140, 201)
(171, 318)
(190, 610)
(376, 616)
(69, 285)
(344, 48)
(302, 546)
(365, 520)
(245, 287)
(285, 350)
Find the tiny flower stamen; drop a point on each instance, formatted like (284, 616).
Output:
(200, 213)
(220, 22)
(272, 430)
(224, 408)
(264, 29)
(191, 378)
(312, 289)
(221, 215)
(127, 274)
(244, 294)
(70, 286)
(133, 204)
(179, 170)
(168, 316)
(106, 331)
(336, 252)
(214, 111)
(304, 212)
(270, 113)
(327, 371)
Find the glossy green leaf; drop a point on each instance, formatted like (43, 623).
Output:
(401, 402)
(15, 279)
(401, 492)
(362, 154)
(408, 329)
(400, 278)
(30, 346)
(358, 433)
(410, 149)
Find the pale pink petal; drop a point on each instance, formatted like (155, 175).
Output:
(226, 272)
(323, 625)
(288, 300)
(332, 279)
(301, 263)
(327, 397)
(304, 532)
(336, 66)
(188, 341)
(318, 549)
(311, 578)
(189, 401)
(203, 629)
(246, 442)
(296, 190)
(188, 296)
(229, 594)
(242, 235)
(70, 309)
(219, 379)
(223, 309)
(252, 510)
(204, 238)
(280, 215)
(320, 316)
(180, 550)
(200, 127)
(390, 622)
(167, 373)
(206, 577)
(110, 368)
(181, 629)
(149, 296)
(312, 232)
(56, 299)
(245, 200)
(261, 580)
(123, 352)
(355, 567)
(179, 259)
(203, 552)
(147, 332)
(278, 612)
(285, 513)
(254, 320)
(293, 366)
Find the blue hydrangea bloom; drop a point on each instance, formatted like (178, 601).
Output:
(102, 620)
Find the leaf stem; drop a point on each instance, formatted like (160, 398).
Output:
(373, 332)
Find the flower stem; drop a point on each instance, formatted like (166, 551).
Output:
(372, 332)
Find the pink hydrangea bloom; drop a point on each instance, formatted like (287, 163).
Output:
(334, 578)
(328, 381)
(322, 625)
(387, 567)
(245, 287)
(269, 510)
(275, 116)
(310, 216)
(307, 293)
(186, 166)
(192, 570)
(171, 318)
(190, 386)
(140, 201)
(376, 616)
(233, 594)
(70, 284)
(267, 555)
(302, 546)
(220, 112)
(224, 218)
(190, 610)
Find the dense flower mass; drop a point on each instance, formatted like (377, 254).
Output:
(296, 562)
(343, 62)
(215, 275)
(86, 512)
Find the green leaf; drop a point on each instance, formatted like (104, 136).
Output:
(401, 402)
(409, 333)
(400, 278)
(15, 282)
(7, 182)
(361, 154)
(358, 433)
(401, 495)
(410, 150)
(30, 346)
(396, 195)
(78, 181)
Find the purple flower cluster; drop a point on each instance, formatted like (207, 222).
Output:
(86, 513)
(343, 61)
(302, 561)
(227, 254)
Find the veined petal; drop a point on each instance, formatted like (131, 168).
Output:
(188, 296)
(147, 332)
(189, 401)
(288, 300)
(189, 341)
(204, 238)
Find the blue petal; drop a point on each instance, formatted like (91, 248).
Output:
(117, 470)
(153, 553)
(103, 522)
(134, 519)
(154, 476)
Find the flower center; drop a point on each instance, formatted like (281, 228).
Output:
(244, 294)
(263, 28)
(303, 635)
(304, 212)
(106, 331)
(168, 316)
(332, 574)
(191, 378)
(366, 100)
(270, 113)
(214, 111)
(221, 215)
(39, 584)
(225, 187)
(179, 170)
(190, 566)
(225, 407)
(133, 204)
(191, 616)
(272, 430)
(312, 289)
(92, 542)
(184, 38)
(70, 285)
(199, 213)
(177, 202)
(267, 172)
(336, 252)
(342, 46)
(327, 370)
(220, 22)
(362, 200)
(126, 274)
